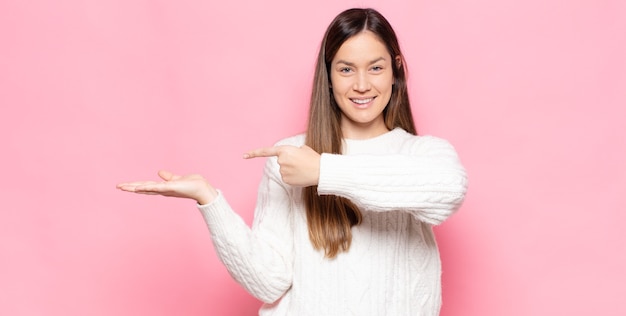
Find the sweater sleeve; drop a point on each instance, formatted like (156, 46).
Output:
(260, 259)
(428, 181)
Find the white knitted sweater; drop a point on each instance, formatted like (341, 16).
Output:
(402, 183)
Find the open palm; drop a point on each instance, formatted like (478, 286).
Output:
(191, 186)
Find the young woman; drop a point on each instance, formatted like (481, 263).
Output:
(344, 214)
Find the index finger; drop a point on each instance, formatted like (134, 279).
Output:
(262, 152)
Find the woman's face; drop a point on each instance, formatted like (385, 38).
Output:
(361, 78)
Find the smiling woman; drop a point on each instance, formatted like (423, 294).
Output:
(343, 223)
(362, 80)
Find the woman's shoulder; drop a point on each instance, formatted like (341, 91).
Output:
(420, 143)
(294, 140)
(400, 135)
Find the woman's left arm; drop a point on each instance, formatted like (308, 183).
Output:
(427, 181)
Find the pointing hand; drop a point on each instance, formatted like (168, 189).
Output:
(299, 166)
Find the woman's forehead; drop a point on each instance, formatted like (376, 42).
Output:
(365, 47)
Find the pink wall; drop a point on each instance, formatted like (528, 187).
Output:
(532, 93)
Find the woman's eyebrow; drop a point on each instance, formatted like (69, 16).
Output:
(341, 61)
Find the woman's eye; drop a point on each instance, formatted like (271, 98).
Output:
(377, 68)
(345, 70)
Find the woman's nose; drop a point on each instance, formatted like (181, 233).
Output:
(362, 83)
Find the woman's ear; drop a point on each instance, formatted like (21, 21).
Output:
(398, 61)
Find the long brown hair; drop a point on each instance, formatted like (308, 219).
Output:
(330, 218)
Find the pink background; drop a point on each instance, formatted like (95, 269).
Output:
(532, 93)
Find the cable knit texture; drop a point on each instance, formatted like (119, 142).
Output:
(402, 183)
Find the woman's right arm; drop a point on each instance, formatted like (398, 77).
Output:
(260, 259)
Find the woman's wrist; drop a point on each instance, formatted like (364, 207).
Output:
(207, 196)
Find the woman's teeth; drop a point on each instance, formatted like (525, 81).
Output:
(362, 101)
